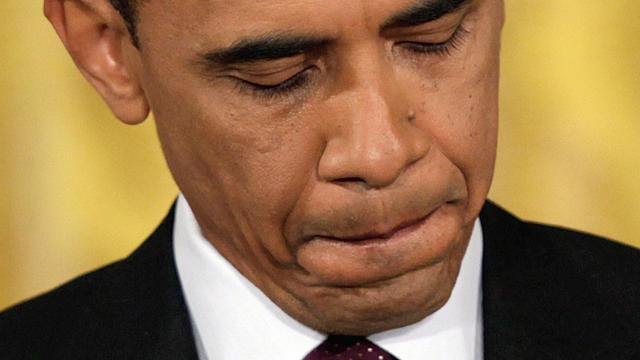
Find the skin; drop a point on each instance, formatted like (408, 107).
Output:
(348, 201)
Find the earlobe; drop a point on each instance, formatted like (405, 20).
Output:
(97, 39)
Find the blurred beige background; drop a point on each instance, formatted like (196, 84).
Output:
(79, 189)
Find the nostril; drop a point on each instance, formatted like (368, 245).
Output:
(349, 180)
(353, 183)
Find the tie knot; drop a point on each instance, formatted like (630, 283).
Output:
(348, 348)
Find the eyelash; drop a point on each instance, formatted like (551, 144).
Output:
(269, 92)
(300, 79)
(439, 49)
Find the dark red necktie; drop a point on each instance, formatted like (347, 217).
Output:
(348, 348)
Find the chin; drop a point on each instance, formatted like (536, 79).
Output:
(385, 305)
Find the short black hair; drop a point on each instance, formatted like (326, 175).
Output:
(128, 11)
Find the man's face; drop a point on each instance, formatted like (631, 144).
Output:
(335, 152)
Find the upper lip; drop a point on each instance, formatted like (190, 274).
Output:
(375, 234)
(383, 232)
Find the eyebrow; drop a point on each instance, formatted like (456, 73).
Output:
(424, 11)
(269, 47)
(278, 46)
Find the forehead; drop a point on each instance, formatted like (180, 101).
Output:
(265, 11)
(225, 20)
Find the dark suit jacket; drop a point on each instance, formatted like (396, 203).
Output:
(547, 293)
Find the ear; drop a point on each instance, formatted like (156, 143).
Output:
(98, 41)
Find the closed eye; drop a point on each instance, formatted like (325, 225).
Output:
(444, 48)
(283, 88)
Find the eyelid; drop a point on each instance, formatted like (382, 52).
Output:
(283, 88)
(265, 79)
(453, 42)
(268, 67)
(432, 37)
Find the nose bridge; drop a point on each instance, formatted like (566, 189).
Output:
(375, 140)
(374, 135)
(370, 80)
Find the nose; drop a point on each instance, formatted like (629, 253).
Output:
(373, 137)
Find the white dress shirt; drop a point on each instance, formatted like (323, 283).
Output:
(232, 319)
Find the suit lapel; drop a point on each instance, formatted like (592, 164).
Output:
(547, 293)
(504, 337)
(159, 313)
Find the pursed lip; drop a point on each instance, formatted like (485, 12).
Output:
(369, 236)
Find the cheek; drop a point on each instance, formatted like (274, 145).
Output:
(246, 169)
(467, 128)
(461, 116)
(264, 160)
(255, 161)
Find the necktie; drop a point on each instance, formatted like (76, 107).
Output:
(348, 348)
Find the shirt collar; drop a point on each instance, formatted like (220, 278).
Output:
(233, 319)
